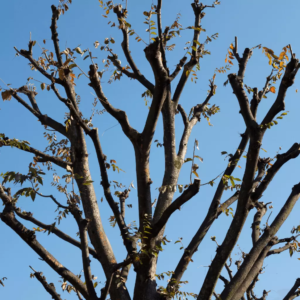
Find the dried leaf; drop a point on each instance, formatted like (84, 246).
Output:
(6, 95)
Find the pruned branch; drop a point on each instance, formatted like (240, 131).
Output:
(54, 37)
(49, 287)
(242, 60)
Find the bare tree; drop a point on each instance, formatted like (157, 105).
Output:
(143, 242)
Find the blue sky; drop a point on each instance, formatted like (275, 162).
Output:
(273, 24)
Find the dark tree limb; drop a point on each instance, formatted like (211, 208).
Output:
(252, 276)
(54, 200)
(285, 247)
(106, 187)
(228, 202)
(256, 135)
(178, 68)
(41, 156)
(83, 224)
(258, 249)
(189, 193)
(125, 46)
(119, 115)
(93, 133)
(292, 153)
(106, 289)
(28, 217)
(44, 119)
(8, 217)
(212, 214)
(54, 37)
(229, 271)
(237, 86)
(49, 287)
(261, 211)
(237, 223)
(28, 55)
(199, 14)
(116, 63)
(189, 124)
(294, 292)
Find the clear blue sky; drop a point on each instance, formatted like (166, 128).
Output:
(274, 24)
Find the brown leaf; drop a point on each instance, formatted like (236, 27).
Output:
(6, 95)
(61, 74)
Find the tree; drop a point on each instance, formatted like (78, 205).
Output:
(145, 240)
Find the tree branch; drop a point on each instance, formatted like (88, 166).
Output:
(119, 115)
(116, 63)
(212, 214)
(189, 124)
(41, 156)
(83, 224)
(125, 46)
(242, 60)
(238, 221)
(106, 187)
(54, 200)
(28, 55)
(259, 246)
(261, 211)
(199, 14)
(28, 217)
(44, 119)
(293, 152)
(54, 37)
(28, 236)
(293, 293)
(178, 68)
(160, 34)
(287, 81)
(183, 198)
(49, 287)
(237, 86)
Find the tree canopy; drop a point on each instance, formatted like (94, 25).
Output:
(118, 190)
